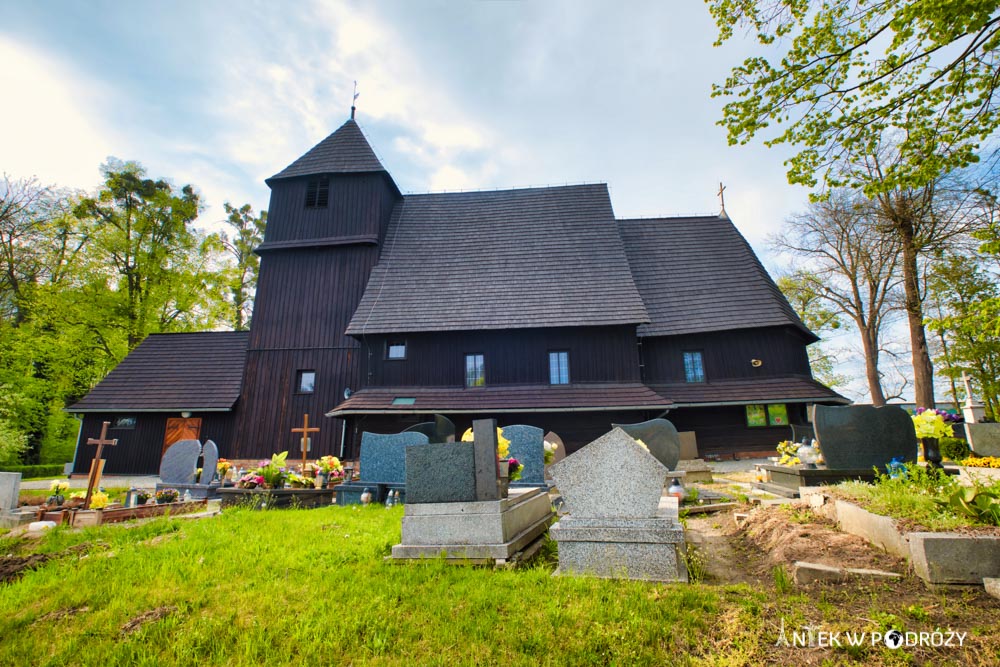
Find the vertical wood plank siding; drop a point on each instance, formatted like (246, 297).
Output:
(138, 449)
(517, 356)
(726, 354)
(723, 430)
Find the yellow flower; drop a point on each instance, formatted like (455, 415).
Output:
(503, 444)
(98, 500)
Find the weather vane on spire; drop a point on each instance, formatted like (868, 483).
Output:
(354, 99)
(722, 199)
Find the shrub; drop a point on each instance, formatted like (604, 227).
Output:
(30, 472)
(954, 449)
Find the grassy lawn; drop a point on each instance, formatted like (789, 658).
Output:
(312, 587)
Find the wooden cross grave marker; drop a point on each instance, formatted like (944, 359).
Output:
(97, 465)
(305, 431)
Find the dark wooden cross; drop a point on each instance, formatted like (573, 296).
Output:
(305, 431)
(722, 198)
(97, 465)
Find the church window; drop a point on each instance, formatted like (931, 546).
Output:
(306, 382)
(694, 368)
(558, 367)
(318, 192)
(475, 370)
(395, 349)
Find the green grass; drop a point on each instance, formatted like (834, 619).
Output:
(290, 587)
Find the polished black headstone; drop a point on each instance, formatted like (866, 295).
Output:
(862, 436)
(660, 438)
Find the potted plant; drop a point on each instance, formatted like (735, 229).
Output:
(58, 489)
(222, 469)
(330, 470)
(141, 498)
(165, 496)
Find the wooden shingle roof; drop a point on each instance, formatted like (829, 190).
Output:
(345, 151)
(507, 259)
(786, 389)
(199, 372)
(699, 274)
(501, 399)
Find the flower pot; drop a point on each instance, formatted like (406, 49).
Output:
(932, 452)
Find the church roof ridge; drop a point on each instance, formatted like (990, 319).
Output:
(345, 151)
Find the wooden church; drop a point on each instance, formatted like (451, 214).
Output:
(535, 306)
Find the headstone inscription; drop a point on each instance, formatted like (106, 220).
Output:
(527, 446)
(619, 522)
(660, 437)
(864, 437)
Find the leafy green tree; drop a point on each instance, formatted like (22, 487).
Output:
(814, 312)
(241, 279)
(970, 300)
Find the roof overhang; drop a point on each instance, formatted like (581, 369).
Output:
(135, 410)
(465, 411)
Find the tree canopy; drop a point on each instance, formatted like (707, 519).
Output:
(836, 76)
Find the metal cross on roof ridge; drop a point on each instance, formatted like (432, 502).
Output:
(722, 198)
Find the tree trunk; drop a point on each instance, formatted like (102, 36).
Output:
(923, 371)
(870, 345)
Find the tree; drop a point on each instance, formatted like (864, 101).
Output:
(970, 301)
(248, 233)
(812, 309)
(841, 75)
(143, 246)
(851, 267)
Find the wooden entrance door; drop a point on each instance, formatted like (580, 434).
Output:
(179, 428)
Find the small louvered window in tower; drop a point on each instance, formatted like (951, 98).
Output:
(318, 192)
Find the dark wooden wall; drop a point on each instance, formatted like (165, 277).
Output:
(726, 354)
(517, 356)
(138, 450)
(723, 430)
(360, 204)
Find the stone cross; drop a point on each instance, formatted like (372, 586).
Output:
(97, 465)
(305, 431)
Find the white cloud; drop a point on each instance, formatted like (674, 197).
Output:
(48, 124)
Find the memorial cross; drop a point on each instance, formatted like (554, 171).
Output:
(305, 431)
(97, 465)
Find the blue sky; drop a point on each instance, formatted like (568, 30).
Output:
(454, 95)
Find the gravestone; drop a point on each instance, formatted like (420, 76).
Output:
(383, 466)
(689, 445)
(440, 430)
(619, 523)
(454, 506)
(527, 446)
(180, 462)
(209, 462)
(179, 469)
(984, 439)
(862, 437)
(660, 437)
(803, 433)
(10, 491)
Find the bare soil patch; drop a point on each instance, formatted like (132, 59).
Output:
(147, 617)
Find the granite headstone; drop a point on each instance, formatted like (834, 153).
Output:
(612, 477)
(441, 473)
(209, 462)
(10, 490)
(484, 433)
(660, 437)
(984, 439)
(383, 457)
(527, 446)
(440, 430)
(861, 437)
(180, 462)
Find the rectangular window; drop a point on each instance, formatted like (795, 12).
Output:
(558, 367)
(395, 349)
(475, 370)
(694, 369)
(775, 414)
(124, 422)
(306, 382)
(318, 192)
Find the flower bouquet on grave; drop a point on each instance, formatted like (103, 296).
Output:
(503, 444)
(297, 481)
(141, 498)
(222, 467)
(549, 451)
(310, 470)
(99, 500)
(163, 497)
(789, 453)
(930, 426)
(330, 470)
(58, 489)
(274, 471)
(514, 469)
(251, 480)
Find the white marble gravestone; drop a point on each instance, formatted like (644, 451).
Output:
(619, 524)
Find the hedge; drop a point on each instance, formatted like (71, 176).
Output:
(29, 472)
